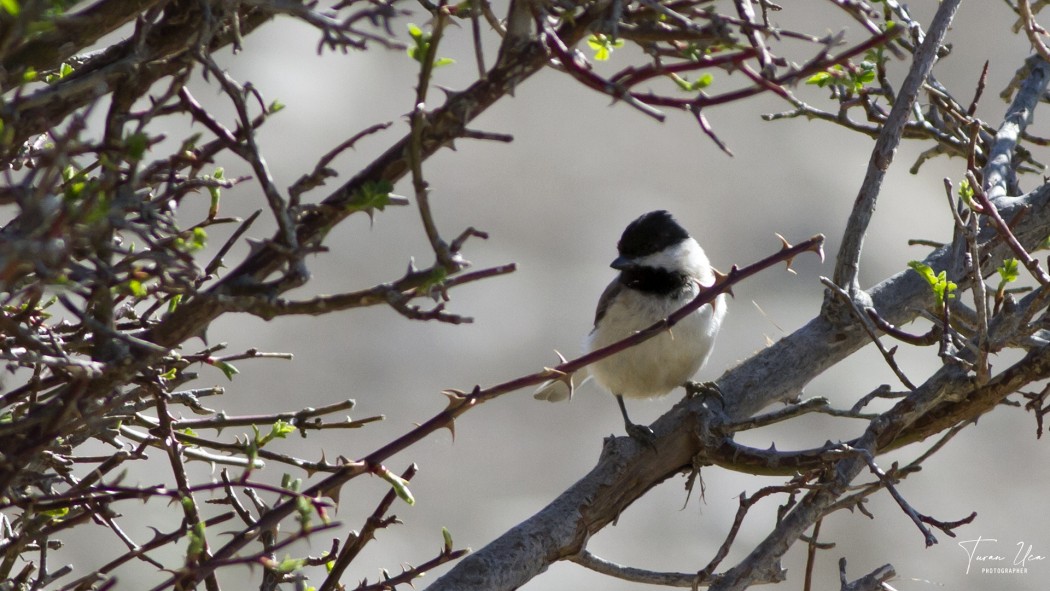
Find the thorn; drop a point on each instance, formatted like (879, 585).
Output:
(561, 357)
(311, 471)
(818, 248)
(448, 92)
(553, 373)
(456, 399)
(720, 277)
(255, 245)
(784, 244)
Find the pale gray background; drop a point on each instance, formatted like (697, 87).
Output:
(555, 201)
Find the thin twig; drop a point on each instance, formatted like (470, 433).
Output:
(865, 322)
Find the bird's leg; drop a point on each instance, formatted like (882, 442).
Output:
(641, 433)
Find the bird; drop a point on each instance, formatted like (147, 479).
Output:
(661, 269)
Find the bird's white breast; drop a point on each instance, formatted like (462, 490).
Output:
(664, 362)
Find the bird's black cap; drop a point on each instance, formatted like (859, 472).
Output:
(650, 234)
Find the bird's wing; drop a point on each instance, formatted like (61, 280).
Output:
(607, 297)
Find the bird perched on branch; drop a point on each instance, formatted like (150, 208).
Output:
(661, 268)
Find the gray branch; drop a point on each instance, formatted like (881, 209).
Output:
(999, 175)
(847, 267)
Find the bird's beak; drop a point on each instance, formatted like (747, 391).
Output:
(622, 263)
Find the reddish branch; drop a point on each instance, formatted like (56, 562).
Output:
(460, 403)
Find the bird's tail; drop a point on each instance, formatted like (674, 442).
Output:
(562, 388)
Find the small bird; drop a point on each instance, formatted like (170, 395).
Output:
(661, 268)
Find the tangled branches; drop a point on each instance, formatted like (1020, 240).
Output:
(108, 268)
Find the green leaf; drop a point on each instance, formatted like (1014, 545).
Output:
(867, 73)
(852, 77)
(56, 514)
(418, 51)
(304, 512)
(63, 71)
(227, 368)
(373, 195)
(281, 429)
(196, 539)
(215, 191)
(925, 270)
(400, 486)
(939, 284)
(699, 84)
(173, 304)
(196, 240)
(820, 79)
(288, 482)
(11, 7)
(447, 535)
(1008, 271)
(136, 288)
(274, 107)
(965, 193)
(135, 145)
(437, 276)
(290, 565)
(603, 45)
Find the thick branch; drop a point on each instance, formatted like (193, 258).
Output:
(143, 61)
(69, 34)
(999, 174)
(847, 265)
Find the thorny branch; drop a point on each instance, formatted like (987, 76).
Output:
(101, 283)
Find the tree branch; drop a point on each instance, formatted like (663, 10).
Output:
(847, 265)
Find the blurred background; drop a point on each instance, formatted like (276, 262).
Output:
(554, 201)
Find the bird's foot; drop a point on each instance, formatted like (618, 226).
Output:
(705, 389)
(642, 434)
